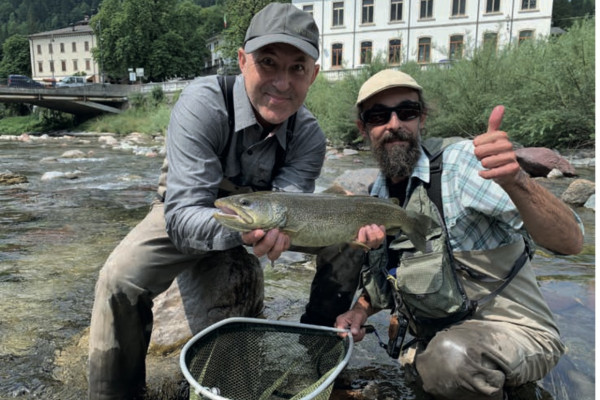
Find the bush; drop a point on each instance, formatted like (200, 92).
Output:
(547, 87)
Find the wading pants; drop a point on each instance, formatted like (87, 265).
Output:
(144, 265)
(477, 360)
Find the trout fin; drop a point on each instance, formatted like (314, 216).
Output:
(361, 245)
(418, 235)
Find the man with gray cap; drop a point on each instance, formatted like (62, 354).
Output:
(471, 303)
(267, 141)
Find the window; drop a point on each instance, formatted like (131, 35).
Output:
(39, 49)
(456, 47)
(458, 7)
(490, 41)
(426, 9)
(62, 47)
(396, 10)
(74, 47)
(50, 48)
(338, 13)
(395, 51)
(75, 66)
(367, 11)
(336, 54)
(88, 65)
(492, 6)
(525, 35)
(63, 66)
(52, 66)
(366, 52)
(308, 9)
(86, 45)
(40, 66)
(424, 50)
(528, 5)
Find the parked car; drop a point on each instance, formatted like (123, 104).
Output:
(23, 81)
(72, 81)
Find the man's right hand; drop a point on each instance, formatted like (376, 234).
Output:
(272, 242)
(353, 320)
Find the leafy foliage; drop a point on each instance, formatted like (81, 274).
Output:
(165, 37)
(16, 57)
(547, 87)
(566, 12)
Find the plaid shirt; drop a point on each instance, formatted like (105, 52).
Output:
(479, 215)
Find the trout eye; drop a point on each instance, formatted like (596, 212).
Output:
(245, 202)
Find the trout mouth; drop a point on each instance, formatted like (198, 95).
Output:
(229, 214)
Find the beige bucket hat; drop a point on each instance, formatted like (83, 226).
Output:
(383, 80)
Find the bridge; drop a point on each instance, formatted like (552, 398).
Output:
(85, 101)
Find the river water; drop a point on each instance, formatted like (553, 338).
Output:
(55, 235)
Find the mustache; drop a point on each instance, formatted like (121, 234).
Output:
(391, 136)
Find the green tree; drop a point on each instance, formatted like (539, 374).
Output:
(566, 12)
(165, 37)
(15, 56)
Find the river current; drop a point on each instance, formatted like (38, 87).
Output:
(56, 233)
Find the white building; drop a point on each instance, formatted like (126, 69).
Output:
(64, 52)
(425, 31)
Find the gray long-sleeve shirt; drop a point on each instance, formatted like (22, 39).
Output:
(197, 137)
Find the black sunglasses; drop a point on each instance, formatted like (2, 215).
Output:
(379, 115)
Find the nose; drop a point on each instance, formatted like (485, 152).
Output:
(394, 121)
(281, 80)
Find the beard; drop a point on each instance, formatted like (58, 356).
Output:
(397, 161)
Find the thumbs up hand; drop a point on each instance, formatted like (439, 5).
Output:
(495, 151)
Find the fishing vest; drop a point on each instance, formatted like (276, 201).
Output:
(428, 288)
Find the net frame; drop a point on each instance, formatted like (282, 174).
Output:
(205, 392)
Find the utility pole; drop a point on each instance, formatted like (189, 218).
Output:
(52, 57)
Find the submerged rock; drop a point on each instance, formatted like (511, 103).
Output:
(12, 179)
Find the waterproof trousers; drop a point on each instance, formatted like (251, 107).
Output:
(478, 360)
(144, 265)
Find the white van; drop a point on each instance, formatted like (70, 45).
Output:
(72, 81)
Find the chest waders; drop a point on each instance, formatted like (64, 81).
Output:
(424, 290)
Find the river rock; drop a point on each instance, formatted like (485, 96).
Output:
(231, 285)
(51, 175)
(539, 161)
(108, 140)
(12, 179)
(578, 192)
(73, 154)
(357, 181)
(591, 202)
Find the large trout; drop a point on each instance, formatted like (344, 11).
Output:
(318, 220)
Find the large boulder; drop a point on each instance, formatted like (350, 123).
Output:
(578, 192)
(231, 284)
(539, 161)
(357, 181)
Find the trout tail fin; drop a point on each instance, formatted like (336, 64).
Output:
(418, 234)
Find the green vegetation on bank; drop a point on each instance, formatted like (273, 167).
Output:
(547, 87)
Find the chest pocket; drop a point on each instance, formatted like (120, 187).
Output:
(427, 287)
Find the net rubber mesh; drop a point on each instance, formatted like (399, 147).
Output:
(258, 360)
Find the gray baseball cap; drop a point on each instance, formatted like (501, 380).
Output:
(283, 23)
